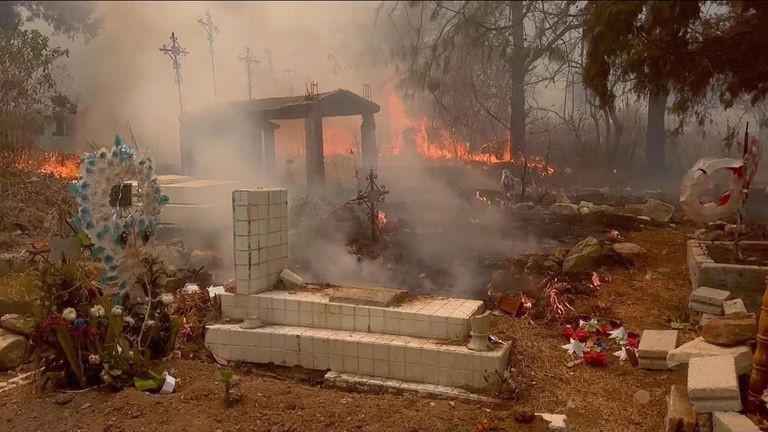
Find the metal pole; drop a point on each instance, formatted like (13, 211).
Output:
(248, 59)
(210, 29)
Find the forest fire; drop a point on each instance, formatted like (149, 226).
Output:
(61, 165)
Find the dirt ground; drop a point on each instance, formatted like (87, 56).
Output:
(647, 295)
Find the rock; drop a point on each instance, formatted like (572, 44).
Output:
(730, 330)
(634, 209)
(705, 317)
(708, 300)
(628, 250)
(586, 204)
(19, 324)
(658, 210)
(698, 347)
(523, 206)
(564, 209)
(14, 350)
(583, 256)
(644, 218)
(642, 397)
(584, 210)
(733, 306)
(63, 399)
(561, 199)
(681, 416)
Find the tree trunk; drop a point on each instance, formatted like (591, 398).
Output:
(618, 131)
(517, 70)
(655, 146)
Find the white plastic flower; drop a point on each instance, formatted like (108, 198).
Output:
(94, 359)
(69, 314)
(97, 311)
(166, 298)
(117, 310)
(129, 320)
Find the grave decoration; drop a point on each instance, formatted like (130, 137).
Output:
(591, 339)
(119, 203)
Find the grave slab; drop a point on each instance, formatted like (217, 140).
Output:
(734, 306)
(654, 347)
(732, 422)
(698, 347)
(708, 300)
(713, 385)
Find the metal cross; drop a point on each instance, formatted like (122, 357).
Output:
(174, 51)
(249, 60)
(210, 30)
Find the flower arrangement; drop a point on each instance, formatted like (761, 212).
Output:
(590, 340)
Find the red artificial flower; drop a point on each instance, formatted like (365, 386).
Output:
(567, 332)
(594, 358)
(581, 335)
(633, 340)
(94, 333)
(603, 330)
(56, 320)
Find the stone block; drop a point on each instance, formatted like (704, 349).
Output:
(704, 318)
(734, 306)
(557, 422)
(713, 385)
(291, 279)
(742, 281)
(730, 330)
(681, 416)
(708, 300)
(658, 210)
(742, 354)
(732, 422)
(654, 347)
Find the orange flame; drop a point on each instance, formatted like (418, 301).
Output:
(61, 165)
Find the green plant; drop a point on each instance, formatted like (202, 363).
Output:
(232, 392)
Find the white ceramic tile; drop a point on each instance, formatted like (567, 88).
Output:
(350, 364)
(348, 322)
(320, 361)
(365, 366)
(397, 370)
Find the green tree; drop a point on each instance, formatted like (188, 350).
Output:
(68, 18)
(689, 51)
(27, 85)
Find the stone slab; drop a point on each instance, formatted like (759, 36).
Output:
(732, 422)
(742, 354)
(654, 347)
(381, 385)
(708, 300)
(713, 385)
(681, 416)
(366, 296)
(557, 422)
(734, 306)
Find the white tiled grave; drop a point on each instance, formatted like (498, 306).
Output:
(422, 340)
(439, 318)
(422, 360)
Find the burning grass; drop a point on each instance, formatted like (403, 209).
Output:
(33, 187)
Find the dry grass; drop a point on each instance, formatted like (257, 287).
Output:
(644, 296)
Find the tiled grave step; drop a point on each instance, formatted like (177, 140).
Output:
(438, 318)
(386, 356)
(368, 383)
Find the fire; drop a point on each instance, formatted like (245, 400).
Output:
(61, 165)
(381, 218)
(442, 144)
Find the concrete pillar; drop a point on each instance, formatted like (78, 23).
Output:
(313, 129)
(370, 154)
(269, 153)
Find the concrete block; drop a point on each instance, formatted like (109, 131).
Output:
(742, 354)
(734, 306)
(654, 347)
(713, 385)
(705, 318)
(732, 422)
(681, 416)
(708, 300)
(291, 279)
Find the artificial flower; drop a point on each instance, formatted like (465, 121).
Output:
(97, 311)
(69, 314)
(575, 347)
(581, 335)
(633, 340)
(621, 354)
(620, 334)
(94, 359)
(166, 298)
(117, 310)
(595, 358)
(567, 332)
(129, 320)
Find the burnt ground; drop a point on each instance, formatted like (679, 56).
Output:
(646, 295)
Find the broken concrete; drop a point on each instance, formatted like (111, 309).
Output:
(730, 330)
(366, 296)
(713, 385)
(658, 210)
(583, 256)
(734, 306)
(291, 279)
(681, 416)
(708, 300)
(654, 347)
(14, 350)
(557, 422)
(732, 422)
(698, 347)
